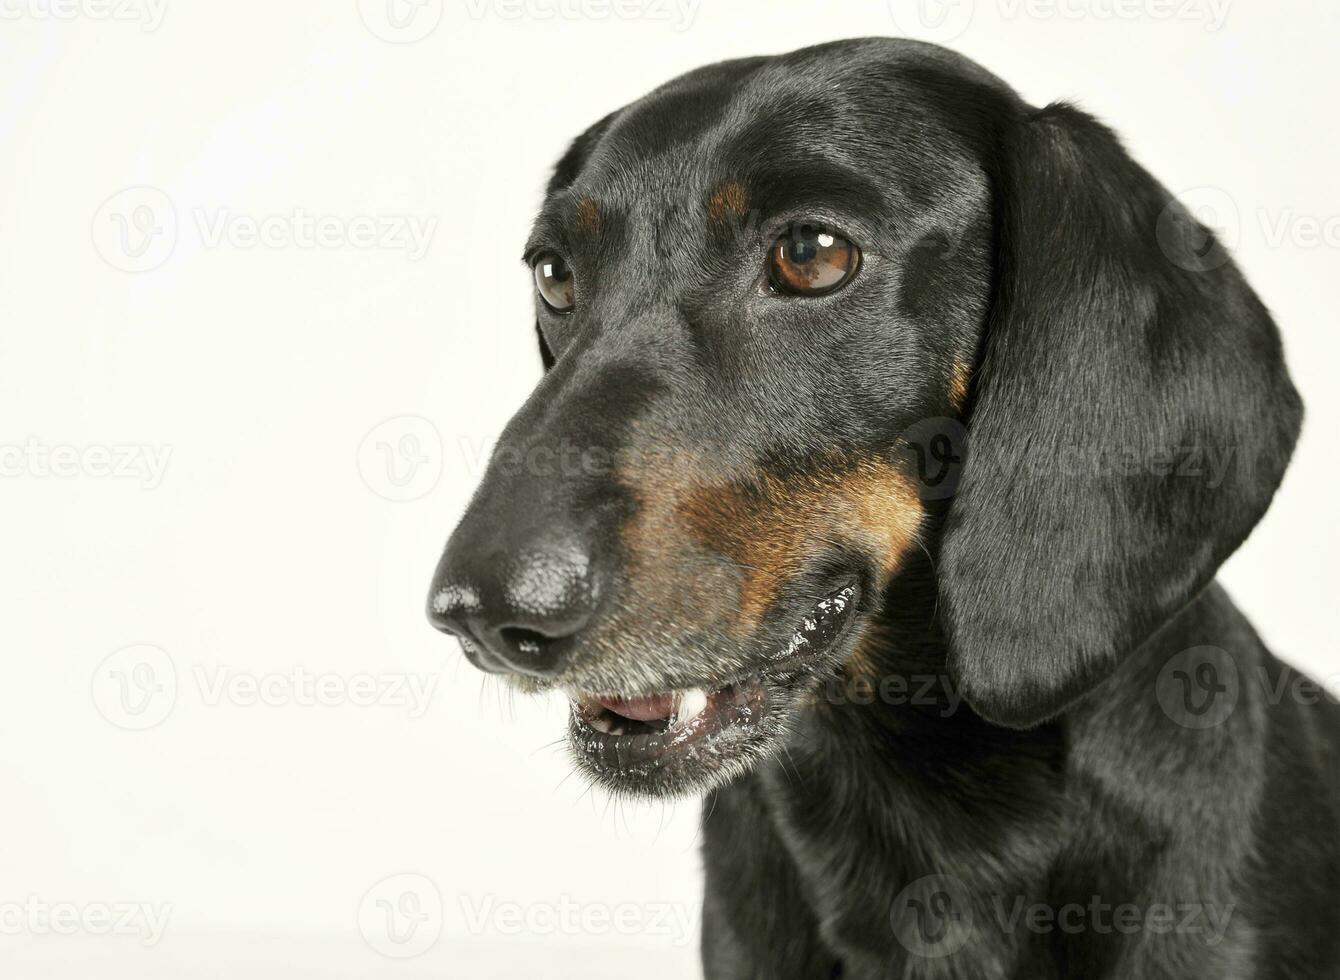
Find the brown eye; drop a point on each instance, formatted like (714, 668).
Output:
(807, 261)
(556, 283)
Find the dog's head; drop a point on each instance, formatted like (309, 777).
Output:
(776, 299)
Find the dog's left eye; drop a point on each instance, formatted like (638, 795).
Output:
(808, 261)
(556, 283)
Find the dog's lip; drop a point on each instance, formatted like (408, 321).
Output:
(621, 732)
(673, 711)
(818, 630)
(617, 741)
(654, 708)
(813, 635)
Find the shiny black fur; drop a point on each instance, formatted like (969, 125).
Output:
(1072, 610)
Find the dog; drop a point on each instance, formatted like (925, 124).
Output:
(891, 434)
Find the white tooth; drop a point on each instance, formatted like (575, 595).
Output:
(598, 719)
(692, 703)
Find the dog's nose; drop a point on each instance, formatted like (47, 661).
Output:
(516, 611)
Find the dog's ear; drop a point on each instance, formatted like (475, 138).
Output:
(570, 164)
(1131, 419)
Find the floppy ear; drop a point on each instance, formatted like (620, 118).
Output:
(1132, 418)
(574, 158)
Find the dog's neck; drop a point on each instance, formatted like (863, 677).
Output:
(898, 672)
(891, 731)
(919, 783)
(916, 787)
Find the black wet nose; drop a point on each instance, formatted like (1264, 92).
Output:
(515, 610)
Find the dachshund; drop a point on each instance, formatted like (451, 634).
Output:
(891, 433)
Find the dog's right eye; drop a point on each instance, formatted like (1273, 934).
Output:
(556, 283)
(811, 261)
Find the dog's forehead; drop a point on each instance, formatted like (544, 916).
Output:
(687, 137)
(713, 142)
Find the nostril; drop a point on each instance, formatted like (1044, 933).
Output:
(516, 609)
(527, 641)
(527, 650)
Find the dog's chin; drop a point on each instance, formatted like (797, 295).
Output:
(687, 740)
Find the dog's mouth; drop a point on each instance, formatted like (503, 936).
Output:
(663, 721)
(686, 739)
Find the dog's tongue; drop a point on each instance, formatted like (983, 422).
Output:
(654, 708)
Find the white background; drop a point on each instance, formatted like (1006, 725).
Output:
(274, 542)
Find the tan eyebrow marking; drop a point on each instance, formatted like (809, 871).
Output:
(959, 377)
(588, 216)
(730, 199)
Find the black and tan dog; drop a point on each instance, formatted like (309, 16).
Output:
(892, 434)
